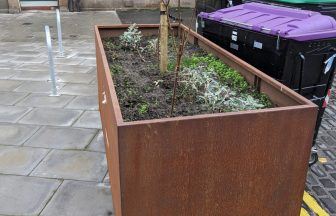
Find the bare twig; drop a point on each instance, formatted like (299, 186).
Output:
(183, 42)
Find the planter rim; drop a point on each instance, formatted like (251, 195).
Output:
(302, 101)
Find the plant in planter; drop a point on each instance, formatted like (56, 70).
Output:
(213, 155)
(205, 84)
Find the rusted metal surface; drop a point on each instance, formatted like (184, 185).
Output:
(238, 163)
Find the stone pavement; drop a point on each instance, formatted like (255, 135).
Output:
(321, 179)
(52, 158)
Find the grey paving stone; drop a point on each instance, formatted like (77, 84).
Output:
(12, 113)
(27, 53)
(71, 164)
(75, 77)
(61, 138)
(330, 204)
(49, 116)
(79, 89)
(73, 68)
(29, 59)
(89, 62)
(6, 73)
(21, 195)
(98, 143)
(15, 134)
(9, 85)
(311, 179)
(86, 55)
(9, 65)
(44, 100)
(318, 171)
(33, 67)
(330, 154)
(80, 198)
(89, 119)
(84, 102)
(333, 175)
(36, 87)
(32, 75)
(319, 190)
(333, 194)
(68, 61)
(327, 183)
(10, 98)
(329, 167)
(20, 160)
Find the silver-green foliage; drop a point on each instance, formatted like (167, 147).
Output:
(215, 95)
(152, 45)
(131, 38)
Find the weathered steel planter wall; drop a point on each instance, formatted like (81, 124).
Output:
(239, 163)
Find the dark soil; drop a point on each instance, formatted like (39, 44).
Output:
(143, 92)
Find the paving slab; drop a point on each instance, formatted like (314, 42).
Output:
(6, 73)
(33, 67)
(44, 100)
(84, 102)
(20, 160)
(10, 98)
(79, 89)
(36, 87)
(12, 113)
(9, 85)
(80, 198)
(71, 164)
(98, 143)
(31, 75)
(61, 138)
(15, 134)
(26, 53)
(30, 59)
(50, 116)
(89, 62)
(89, 119)
(73, 68)
(75, 77)
(21, 195)
(68, 61)
(9, 65)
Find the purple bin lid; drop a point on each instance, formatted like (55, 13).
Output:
(300, 25)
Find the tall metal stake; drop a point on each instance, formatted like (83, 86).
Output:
(163, 37)
(59, 33)
(51, 63)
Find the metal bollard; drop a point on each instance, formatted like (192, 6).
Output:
(51, 63)
(59, 32)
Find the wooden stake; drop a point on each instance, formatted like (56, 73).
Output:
(163, 38)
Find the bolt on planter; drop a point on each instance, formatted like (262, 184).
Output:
(241, 163)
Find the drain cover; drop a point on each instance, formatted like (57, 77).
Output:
(73, 36)
(27, 23)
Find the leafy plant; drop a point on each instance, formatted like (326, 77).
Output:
(143, 108)
(152, 45)
(131, 38)
(116, 68)
(219, 87)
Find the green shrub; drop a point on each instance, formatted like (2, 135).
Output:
(143, 108)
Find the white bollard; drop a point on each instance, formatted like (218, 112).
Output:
(59, 32)
(51, 63)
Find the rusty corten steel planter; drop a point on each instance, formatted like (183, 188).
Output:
(237, 163)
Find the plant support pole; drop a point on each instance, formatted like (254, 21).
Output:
(163, 37)
(59, 32)
(51, 63)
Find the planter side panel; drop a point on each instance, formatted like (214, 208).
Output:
(250, 163)
(109, 117)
